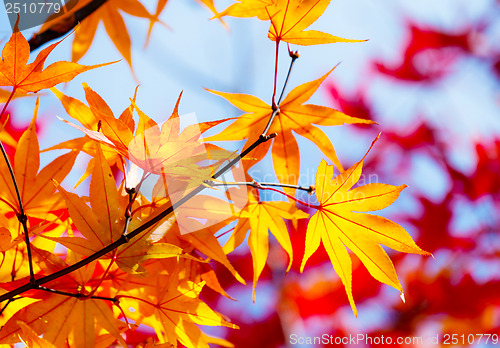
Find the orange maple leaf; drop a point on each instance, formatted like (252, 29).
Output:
(293, 116)
(35, 188)
(15, 72)
(248, 8)
(91, 118)
(338, 224)
(288, 18)
(103, 222)
(173, 308)
(261, 218)
(58, 317)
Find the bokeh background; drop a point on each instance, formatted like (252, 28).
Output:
(429, 75)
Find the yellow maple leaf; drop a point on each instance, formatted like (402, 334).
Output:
(248, 8)
(58, 317)
(173, 308)
(103, 222)
(288, 19)
(340, 223)
(162, 150)
(261, 218)
(293, 115)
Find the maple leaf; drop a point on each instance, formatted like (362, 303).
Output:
(163, 151)
(204, 241)
(91, 117)
(248, 8)
(15, 72)
(62, 318)
(31, 339)
(338, 224)
(261, 218)
(291, 17)
(288, 18)
(35, 188)
(293, 116)
(102, 223)
(173, 308)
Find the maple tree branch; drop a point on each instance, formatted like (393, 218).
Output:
(271, 119)
(125, 238)
(77, 295)
(60, 28)
(21, 216)
(132, 195)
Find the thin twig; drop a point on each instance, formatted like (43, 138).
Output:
(274, 105)
(61, 28)
(125, 238)
(77, 295)
(5, 307)
(294, 55)
(262, 185)
(21, 216)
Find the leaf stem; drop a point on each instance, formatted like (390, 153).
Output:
(21, 216)
(294, 55)
(291, 197)
(262, 185)
(274, 105)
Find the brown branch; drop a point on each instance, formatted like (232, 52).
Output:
(21, 215)
(65, 25)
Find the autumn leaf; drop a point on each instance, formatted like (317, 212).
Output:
(339, 224)
(295, 116)
(173, 311)
(261, 218)
(36, 190)
(92, 117)
(288, 19)
(62, 318)
(248, 8)
(103, 222)
(204, 241)
(30, 337)
(164, 150)
(15, 72)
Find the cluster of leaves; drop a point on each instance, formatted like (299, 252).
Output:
(92, 270)
(453, 208)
